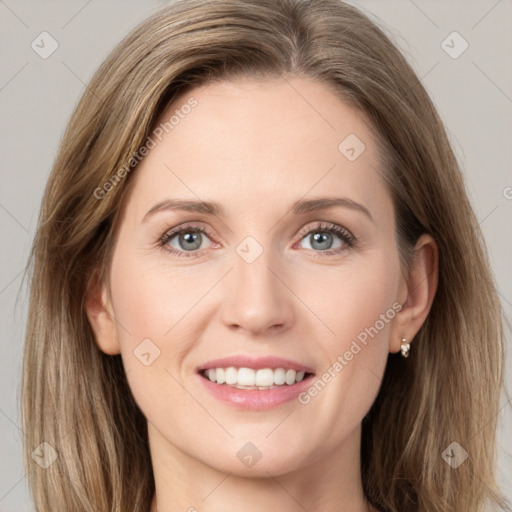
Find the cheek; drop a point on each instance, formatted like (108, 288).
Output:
(358, 305)
(353, 300)
(153, 300)
(156, 308)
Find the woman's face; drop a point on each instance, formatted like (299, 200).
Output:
(276, 283)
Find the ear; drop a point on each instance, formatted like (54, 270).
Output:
(100, 314)
(417, 292)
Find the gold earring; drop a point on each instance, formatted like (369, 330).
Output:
(405, 347)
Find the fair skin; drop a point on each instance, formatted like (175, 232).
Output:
(255, 147)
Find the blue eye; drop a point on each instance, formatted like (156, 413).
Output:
(323, 236)
(189, 237)
(187, 241)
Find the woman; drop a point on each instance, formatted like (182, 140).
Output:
(321, 347)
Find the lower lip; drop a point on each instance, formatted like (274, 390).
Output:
(255, 399)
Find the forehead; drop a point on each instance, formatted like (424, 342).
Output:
(255, 140)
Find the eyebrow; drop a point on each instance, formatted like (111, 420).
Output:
(299, 207)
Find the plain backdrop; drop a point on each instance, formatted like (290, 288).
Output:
(473, 93)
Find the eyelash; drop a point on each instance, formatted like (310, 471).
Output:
(345, 235)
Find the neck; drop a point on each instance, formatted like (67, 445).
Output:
(329, 484)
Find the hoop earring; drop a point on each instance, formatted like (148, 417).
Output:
(405, 347)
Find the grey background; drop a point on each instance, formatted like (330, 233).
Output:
(473, 94)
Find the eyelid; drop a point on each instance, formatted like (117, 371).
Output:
(327, 226)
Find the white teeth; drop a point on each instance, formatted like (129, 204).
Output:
(290, 377)
(247, 378)
(264, 377)
(279, 376)
(231, 376)
(221, 375)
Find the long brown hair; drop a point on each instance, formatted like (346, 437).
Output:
(77, 399)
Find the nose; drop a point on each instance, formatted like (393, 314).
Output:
(255, 297)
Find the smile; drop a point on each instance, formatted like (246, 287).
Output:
(244, 382)
(248, 378)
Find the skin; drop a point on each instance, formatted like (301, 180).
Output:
(255, 147)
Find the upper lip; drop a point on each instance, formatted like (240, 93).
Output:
(256, 363)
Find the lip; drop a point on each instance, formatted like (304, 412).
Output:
(256, 363)
(255, 399)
